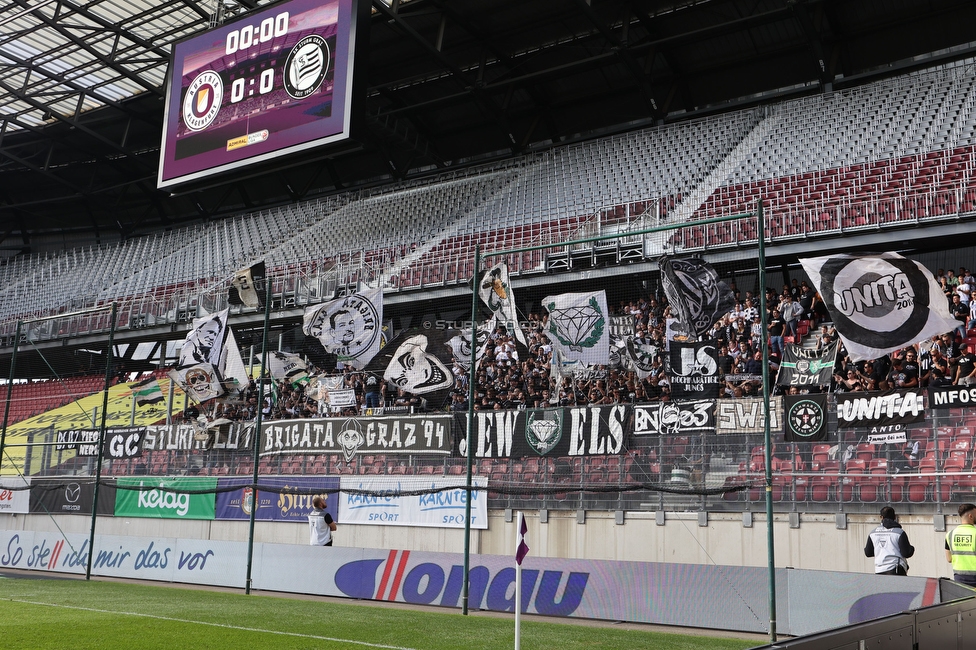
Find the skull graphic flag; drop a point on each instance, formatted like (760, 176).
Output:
(578, 326)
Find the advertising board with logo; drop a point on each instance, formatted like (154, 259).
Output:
(70, 496)
(166, 498)
(399, 501)
(13, 497)
(274, 506)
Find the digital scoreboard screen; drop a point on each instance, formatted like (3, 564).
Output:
(273, 83)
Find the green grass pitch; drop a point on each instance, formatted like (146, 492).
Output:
(107, 615)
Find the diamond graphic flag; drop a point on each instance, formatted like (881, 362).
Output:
(696, 295)
(496, 292)
(879, 303)
(350, 328)
(523, 548)
(578, 326)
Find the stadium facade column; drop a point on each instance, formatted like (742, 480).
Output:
(101, 439)
(469, 442)
(761, 232)
(257, 433)
(10, 391)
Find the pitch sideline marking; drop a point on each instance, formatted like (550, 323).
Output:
(223, 625)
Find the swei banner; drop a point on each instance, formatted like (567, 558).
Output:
(387, 501)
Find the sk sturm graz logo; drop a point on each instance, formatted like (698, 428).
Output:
(880, 308)
(306, 66)
(577, 327)
(543, 429)
(806, 418)
(202, 101)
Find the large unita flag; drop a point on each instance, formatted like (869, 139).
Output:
(879, 303)
(578, 326)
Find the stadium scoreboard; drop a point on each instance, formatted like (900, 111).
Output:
(270, 84)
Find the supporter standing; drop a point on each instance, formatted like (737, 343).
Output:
(776, 327)
(889, 546)
(320, 523)
(960, 546)
(965, 367)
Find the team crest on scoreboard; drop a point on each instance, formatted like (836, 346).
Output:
(306, 66)
(202, 101)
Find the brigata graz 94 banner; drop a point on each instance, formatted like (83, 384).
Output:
(583, 431)
(384, 435)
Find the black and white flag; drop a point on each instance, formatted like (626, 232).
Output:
(461, 344)
(248, 287)
(350, 328)
(496, 292)
(696, 295)
(578, 326)
(200, 382)
(693, 371)
(420, 362)
(803, 367)
(205, 342)
(288, 367)
(879, 303)
(806, 417)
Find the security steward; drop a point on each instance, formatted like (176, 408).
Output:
(960, 546)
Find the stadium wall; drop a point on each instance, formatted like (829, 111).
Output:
(802, 541)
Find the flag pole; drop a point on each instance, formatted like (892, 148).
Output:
(520, 521)
(469, 437)
(256, 438)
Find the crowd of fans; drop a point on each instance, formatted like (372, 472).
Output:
(511, 376)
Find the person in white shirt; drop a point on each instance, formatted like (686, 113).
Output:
(320, 523)
(889, 546)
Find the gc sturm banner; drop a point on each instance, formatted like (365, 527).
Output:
(674, 418)
(163, 503)
(385, 505)
(179, 437)
(583, 431)
(270, 505)
(405, 434)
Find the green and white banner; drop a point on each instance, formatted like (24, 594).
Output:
(166, 498)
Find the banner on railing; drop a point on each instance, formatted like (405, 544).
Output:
(405, 434)
(674, 418)
(583, 431)
(181, 437)
(746, 415)
(387, 505)
(880, 412)
(951, 397)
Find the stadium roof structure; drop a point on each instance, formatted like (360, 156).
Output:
(448, 84)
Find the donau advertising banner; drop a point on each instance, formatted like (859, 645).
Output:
(275, 506)
(166, 498)
(403, 434)
(389, 502)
